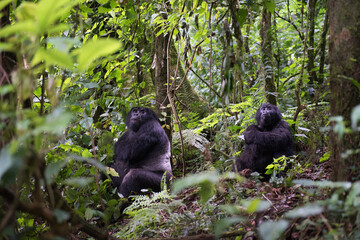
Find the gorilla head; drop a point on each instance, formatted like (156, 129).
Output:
(267, 116)
(138, 116)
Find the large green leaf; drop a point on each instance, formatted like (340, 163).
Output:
(195, 179)
(271, 230)
(52, 170)
(63, 44)
(94, 49)
(55, 122)
(53, 57)
(305, 211)
(3, 3)
(241, 16)
(5, 161)
(41, 17)
(25, 26)
(225, 223)
(49, 11)
(79, 181)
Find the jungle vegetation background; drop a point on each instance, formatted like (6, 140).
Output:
(70, 70)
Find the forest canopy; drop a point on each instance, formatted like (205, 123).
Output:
(71, 70)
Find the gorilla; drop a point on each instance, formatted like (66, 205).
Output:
(142, 154)
(269, 139)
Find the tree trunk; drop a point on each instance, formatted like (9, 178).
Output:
(311, 46)
(8, 100)
(267, 56)
(344, 59)
(239, 51)
(160, 81)
(323, 47)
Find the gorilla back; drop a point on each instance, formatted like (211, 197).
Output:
(270, 138)
(142, 154)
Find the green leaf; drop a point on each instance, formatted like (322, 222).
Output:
(130, 13)
(175, 32)
(25, 26)
(95, 49)
(4, 3)
(353, 199)
(225, 223)
(53, 57)
(322, 184)
(325, 157)
(112, 203)
(5, 161)
(355, 117)
(255, 205)
(49, 11)
(61, 215)
(270, 5)
(102, 1)
(195, 4)
(79, 181)
(241, 16)
(58, 29)
(232, 209)
(194, 179)
(52, 170)
(272, 230)
(6, 47)
(7, 88)
(86, 122)
(86, 154)
(305, 211)
(88, 214)
(207, 189)
(63, 44)
(26, 11)
(91, 85)
(55, 122)
(111, 172)
(339, 127)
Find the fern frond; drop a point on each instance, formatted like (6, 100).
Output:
(192, 139)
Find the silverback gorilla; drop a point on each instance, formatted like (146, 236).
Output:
(142, 154)
(269, 139)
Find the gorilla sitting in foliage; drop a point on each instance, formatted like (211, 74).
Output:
(142, 154)
(270, 138)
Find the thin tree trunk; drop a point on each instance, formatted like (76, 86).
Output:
(344, 58)
(239, 50)
(8, 101)
(267, 56)
(311, 46)
(323, 47)
(247, 29)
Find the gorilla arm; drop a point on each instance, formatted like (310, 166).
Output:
(146, 140)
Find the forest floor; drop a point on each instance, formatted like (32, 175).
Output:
(282, 199)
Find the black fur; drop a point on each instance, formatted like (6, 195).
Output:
(142, 154)
(269, 139)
